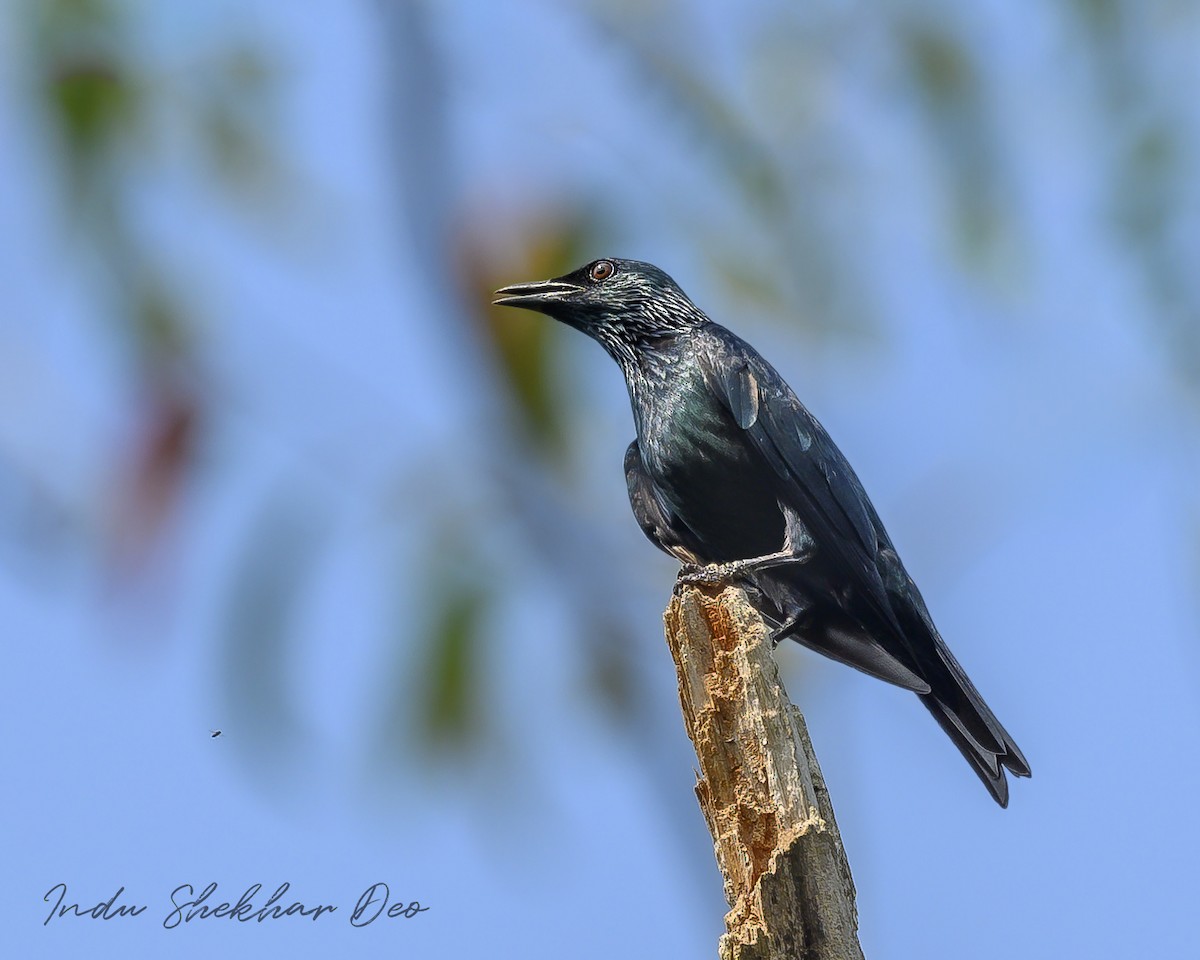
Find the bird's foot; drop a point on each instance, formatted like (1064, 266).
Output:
(707, 575)
(720, 574)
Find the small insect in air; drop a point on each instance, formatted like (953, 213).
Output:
(214, 733)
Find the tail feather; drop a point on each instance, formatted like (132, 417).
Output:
(954, 701)
(979, 736)
(907, 651)
(985, 763)
(966, 708)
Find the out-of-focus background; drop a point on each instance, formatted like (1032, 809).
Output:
(271, 465)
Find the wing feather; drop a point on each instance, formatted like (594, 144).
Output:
(815, 478)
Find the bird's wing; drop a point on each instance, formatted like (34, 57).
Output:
(818, 482)
(654, 514)
(814, 476)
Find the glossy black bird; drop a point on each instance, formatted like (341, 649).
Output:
(731, 475)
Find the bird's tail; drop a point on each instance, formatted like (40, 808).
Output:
(913, 656)
(957, 706)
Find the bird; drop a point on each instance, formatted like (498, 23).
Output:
(732, 476)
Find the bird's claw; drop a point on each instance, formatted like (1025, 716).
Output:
(721, 574)
(706, 575)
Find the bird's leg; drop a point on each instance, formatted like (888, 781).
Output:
(797, 614)
(798, 547)
(713, 574)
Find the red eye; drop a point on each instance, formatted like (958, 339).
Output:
(602, 270)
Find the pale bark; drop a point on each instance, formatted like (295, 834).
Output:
(786, 877)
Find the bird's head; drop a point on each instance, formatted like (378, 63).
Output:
(624, 304)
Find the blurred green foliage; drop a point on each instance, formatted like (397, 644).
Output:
(522, 344)
(92, 103)
(452, 693)
(783, 243)
(109, 110)
(90, 94)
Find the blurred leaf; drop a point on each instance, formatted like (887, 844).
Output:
(231, 116)
(950, 88)
(159, 325)
(90, 96)
(155, 471)
(523, 343)
(1102, 16)
(450, 710)
(1145, 119)
(91, 101)
(1145, 186)
(941, 67)
(235, 150)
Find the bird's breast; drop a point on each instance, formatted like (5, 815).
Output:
(698, 458)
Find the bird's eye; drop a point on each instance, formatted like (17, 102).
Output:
(602, 270)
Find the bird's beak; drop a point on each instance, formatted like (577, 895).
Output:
(535, 296)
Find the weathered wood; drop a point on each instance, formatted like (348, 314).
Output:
(786, 877)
